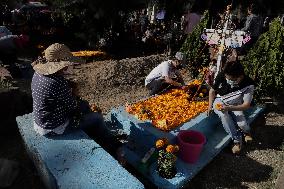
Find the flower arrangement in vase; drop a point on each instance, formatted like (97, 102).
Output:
(166, 158)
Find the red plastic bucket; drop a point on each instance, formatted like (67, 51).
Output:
(190, 144)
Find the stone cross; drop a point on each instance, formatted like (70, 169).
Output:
(226, 37)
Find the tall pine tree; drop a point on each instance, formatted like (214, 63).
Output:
(196, 52)
(265, 62)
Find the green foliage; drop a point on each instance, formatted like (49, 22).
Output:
(87, 19)
(194, 47)
(5, 84)
(5, 78)
(166, 164)
(265, 62)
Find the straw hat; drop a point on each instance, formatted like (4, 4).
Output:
(56, 57)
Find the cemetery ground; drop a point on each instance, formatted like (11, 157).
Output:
(111, 83)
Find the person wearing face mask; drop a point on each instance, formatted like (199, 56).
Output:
(55, 105)
(230, 95)
(165, 75)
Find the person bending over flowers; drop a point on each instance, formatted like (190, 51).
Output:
(165, 75)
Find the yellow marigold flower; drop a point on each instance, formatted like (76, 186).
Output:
(218, 106)
(160, 144)
(170, 148)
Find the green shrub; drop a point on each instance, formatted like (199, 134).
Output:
(197, 54)
(5, 84)
(5, 78)
(166, 165)
(265, 62)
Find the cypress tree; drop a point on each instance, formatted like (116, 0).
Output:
(265, 62)
(194, 48)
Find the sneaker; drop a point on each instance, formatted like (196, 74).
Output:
(247, 137)
(237, 148)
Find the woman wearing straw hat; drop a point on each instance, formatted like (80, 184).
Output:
(54, 106)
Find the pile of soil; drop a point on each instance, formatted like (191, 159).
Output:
(111, 83)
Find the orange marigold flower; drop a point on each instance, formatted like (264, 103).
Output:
(218, 106)
(160, 144)
(170, 148)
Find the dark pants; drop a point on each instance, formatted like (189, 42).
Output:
(90, 122)
(158, 86)
(93, 124)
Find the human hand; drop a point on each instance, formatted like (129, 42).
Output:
(222, 107)
(177, 84)
(75, 91)
(225, 108)
(74, 88)
(209, 111)
(184, 87)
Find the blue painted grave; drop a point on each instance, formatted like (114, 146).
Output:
(142, 136)
(73, 160)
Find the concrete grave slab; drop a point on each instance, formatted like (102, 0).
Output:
(142, 136)
(73, 160)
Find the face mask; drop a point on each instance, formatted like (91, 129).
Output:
(231, 82)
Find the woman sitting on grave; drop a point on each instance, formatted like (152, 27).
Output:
(56, 106)
(230, 95)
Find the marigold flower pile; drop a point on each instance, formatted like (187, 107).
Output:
(169, 110)
(88, 53)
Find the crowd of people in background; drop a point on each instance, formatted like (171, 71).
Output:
(156, 36)
(150, 34)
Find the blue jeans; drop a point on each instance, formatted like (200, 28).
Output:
(230, 121)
